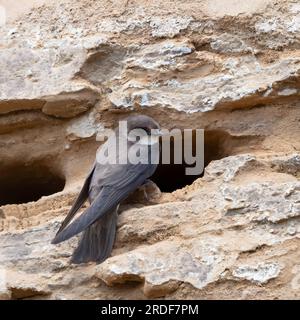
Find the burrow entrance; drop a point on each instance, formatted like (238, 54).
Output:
(218, 144)
(21, 183)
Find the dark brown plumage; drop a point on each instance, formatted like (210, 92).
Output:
(105, 186)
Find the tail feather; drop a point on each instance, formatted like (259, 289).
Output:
(97, 240)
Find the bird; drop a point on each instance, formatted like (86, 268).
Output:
(106, 186)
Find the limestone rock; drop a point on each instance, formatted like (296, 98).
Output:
(261, 273)
(72, 69)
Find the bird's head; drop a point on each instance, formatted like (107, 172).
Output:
(149, 125)
(144, 127)
(142, 122)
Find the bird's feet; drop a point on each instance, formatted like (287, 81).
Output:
(151, 191)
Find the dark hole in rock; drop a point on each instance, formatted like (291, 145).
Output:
(21, 183)
(217, 145)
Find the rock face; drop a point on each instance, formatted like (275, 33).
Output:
(70, 69)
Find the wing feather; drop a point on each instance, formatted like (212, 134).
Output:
(82, 197)
(116, 188)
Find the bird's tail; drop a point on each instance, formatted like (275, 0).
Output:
(97, 240)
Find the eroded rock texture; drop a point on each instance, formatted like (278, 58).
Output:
(71, 69)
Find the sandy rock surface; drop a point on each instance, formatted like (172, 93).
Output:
(71, 69)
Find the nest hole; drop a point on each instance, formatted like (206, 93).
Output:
(218, 144)
(22, 183)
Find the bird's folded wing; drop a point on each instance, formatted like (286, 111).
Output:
(82, 197)
(117, 188)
